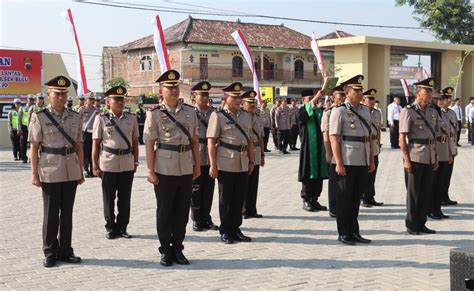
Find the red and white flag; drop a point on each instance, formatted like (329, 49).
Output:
(160, 44)
(245, 50)
(81, 80)
(319, 57)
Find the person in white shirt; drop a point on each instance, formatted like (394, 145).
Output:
(466, 111)
(393, 115)
(456, 107)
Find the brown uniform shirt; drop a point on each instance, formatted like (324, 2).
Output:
(415, 128)
(344, 122)
(325, 119)
(257, 127)
(443, 148)
(224, 130)
(105, 131)
(202, 129)
(282, 118)
(453, 128)
(159, 127)
(293, 115)
(376, 123)
(53, 168)
(266, 118)
(88, 115)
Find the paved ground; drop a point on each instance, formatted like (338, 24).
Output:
(291, 249)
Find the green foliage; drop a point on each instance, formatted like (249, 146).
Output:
(449, 20)
(150, 98)
(117, 81)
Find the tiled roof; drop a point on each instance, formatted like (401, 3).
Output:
(336, 34)
(218, 32)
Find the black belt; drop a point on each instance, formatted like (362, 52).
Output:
(180, 148)
(238, 148)
(421, 140)
(58, 151)
(119, 152)
(442, 139)
(356, 138)
(203, 140)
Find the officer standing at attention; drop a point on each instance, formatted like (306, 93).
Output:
(81, 103)
(445, 157)
(39, 105)
(56, 166)
(454, 132)
(231, 162)
(267, 124)
(23, 120)
(250, 202)
(13, 128)
(294, 125)
(368, 199)
(274, 131)
(88, 113)
(353, 159)
(283, 126)
(141, 116)
(173, 127)
(69, 104)
(116, 133)
(338, 97)
(418, 126)
(203, 186)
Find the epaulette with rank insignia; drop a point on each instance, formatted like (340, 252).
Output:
(186, 104)
(157, 106)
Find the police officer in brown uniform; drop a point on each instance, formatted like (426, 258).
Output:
(453, 140)
(56, 166)
(338, 97)
(283, 126)
(173, 127)
(273, 130)
(250, 201)
(445, 157)
(267, 124)
(353, 159)
(115, 160)
(88, 113)
(294, 131)
(418, 126)
(232, 161)
(368, 199)
(203, 186)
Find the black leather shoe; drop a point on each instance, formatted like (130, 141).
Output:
(308, 206)
(285, 152)
(49, 262)
(180, 258)
(366, 204)
(451, 202)
(256, 215)
(412, 231)
(239, 236)
(444, 203)
(332, 214)
(197, 226)
(442, 215)
(375, 203)
(211, 226)
(246, 216)
(318, 206)
(358, 238)
(125, 234)
(424, 229)
(166, 259)
(227, 238)
(70, 259)
(267, 151)
(110, 235)
(434, 216)
(346, 239)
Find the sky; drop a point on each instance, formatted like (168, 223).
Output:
(37, 25)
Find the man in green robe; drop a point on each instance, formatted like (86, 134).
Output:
(313, 168)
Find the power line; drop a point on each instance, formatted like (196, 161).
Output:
(200, 12)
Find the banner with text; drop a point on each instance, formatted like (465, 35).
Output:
(20, 72)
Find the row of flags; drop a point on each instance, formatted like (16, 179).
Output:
(162, 53)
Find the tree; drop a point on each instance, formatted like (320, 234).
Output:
(449, 20)
(117, 81)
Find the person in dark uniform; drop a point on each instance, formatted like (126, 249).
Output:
(353, 159)
(444, 152)
(203, 186)
(250, 201)
(141, 116)
(231, 162)
(23, 120)
(267, 124)
(338, 97)
(418, 125)
(88, 112)
(313, 168)
(56, 166)
(368, 198)
(115, 159)
(173, 127)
